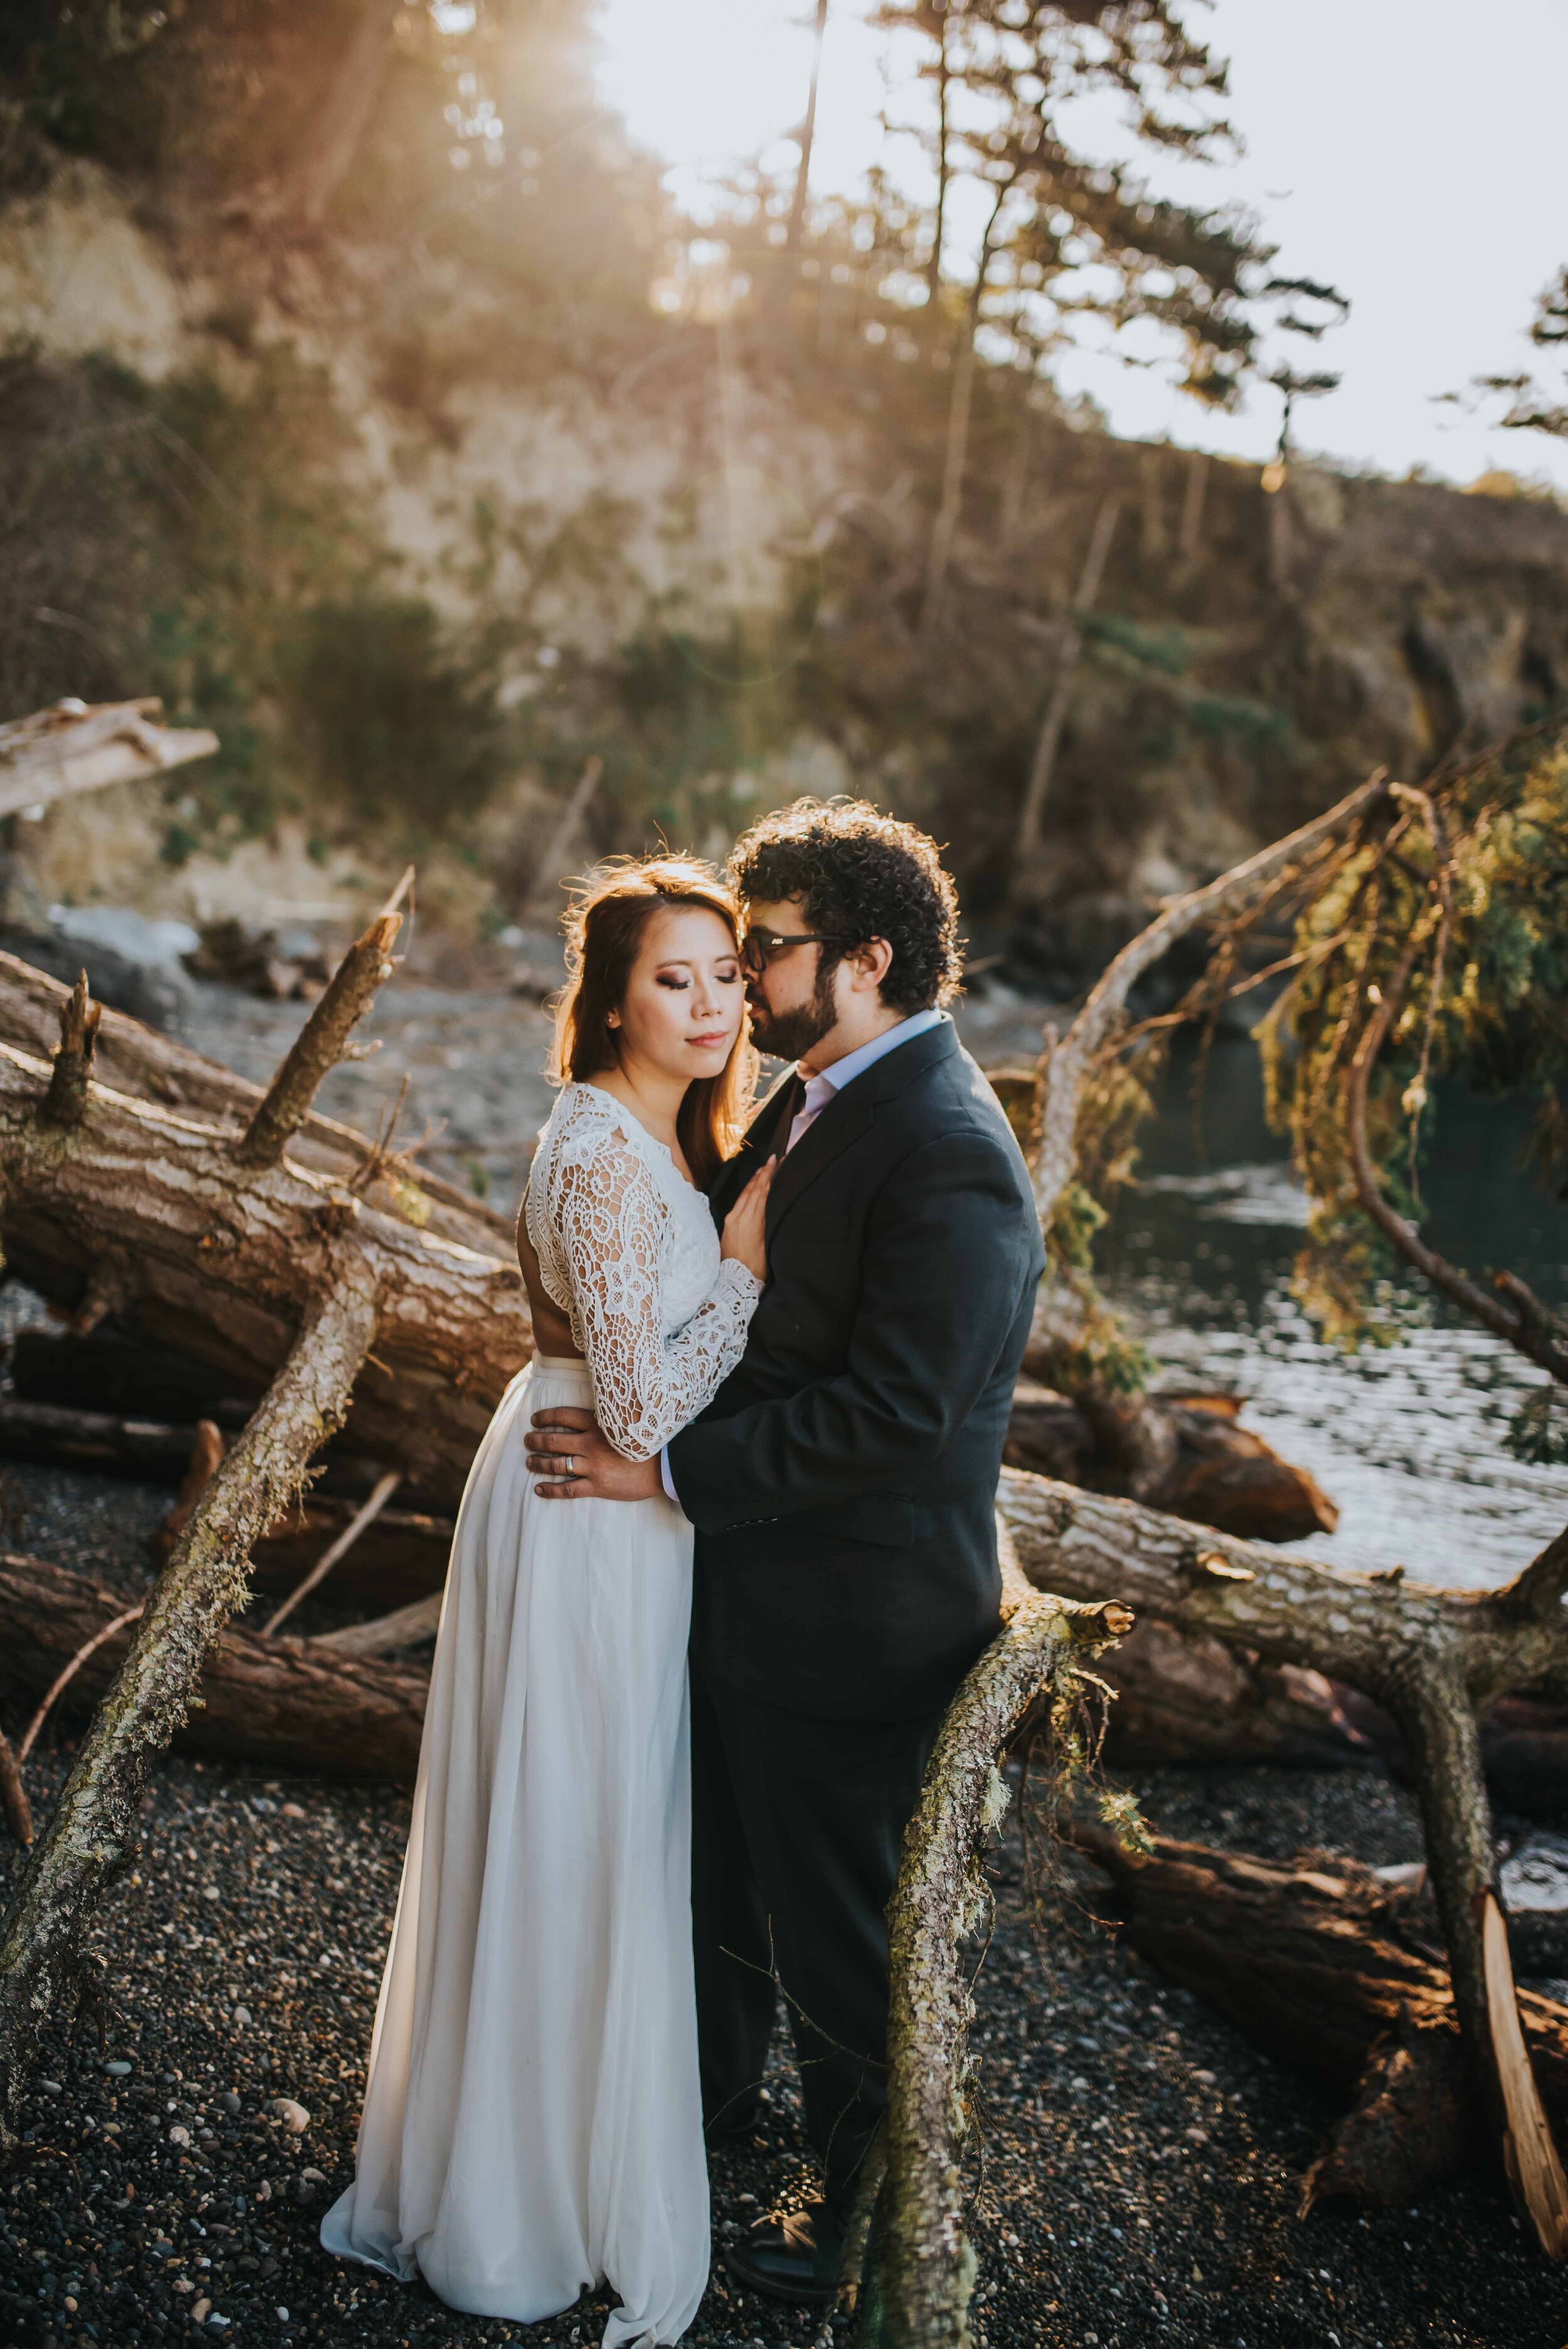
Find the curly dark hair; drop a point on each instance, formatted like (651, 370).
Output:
(862, 875)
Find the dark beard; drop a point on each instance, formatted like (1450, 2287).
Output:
(789, 1035)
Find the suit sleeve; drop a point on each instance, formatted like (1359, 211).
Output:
(947, 1257)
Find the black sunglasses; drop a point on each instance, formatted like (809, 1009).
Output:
(762, 946)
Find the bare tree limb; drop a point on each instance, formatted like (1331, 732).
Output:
(1050, 734)
(406, 1627)
(68, 1673)
(553, 863)
(345, 117)
(385, 1489)
(72, 748)
(320, 1044)
(808, 136)
(89, 1836)
(945, 530)
(922, 2267)
(14, 1795)
(65, 1101)
(1068, 1061)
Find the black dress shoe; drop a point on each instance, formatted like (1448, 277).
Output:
(795, 2257)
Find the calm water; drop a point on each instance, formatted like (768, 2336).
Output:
(1406, 1439)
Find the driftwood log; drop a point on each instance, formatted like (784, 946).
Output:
(80, 747)
(162, 1219)
(1209, 1468)
(75, 1155)
(1327, 1967)
(296, 1704)
(147, 1066)
(920, 2268)
(1435, 1660)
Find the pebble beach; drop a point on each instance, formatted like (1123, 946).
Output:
(1134, 2171)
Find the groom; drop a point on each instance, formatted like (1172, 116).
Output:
(841, 1481)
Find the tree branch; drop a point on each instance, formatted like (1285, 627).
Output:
(923, 2268)
(88, 1839)
(1050, 734)
(384, 1487)
(319, 1046)
(65, 1101)
(1066, 1063)
(1529, 1327)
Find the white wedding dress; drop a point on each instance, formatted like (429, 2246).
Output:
(532, 2124)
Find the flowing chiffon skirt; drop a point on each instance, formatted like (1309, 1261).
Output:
(532, 2120)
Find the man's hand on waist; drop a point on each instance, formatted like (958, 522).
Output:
(566, 1446)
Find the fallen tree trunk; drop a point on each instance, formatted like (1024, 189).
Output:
(89, 1837)
(406, 1627)
(921, 2268)
(77, 747)
(56, 1145)
(296, 1704)
(216, 1259)
(1211, 1468)
(1317, 1963)
(144, 1065)
(147, 1449)
(1434, 1658)
(1187, 1698)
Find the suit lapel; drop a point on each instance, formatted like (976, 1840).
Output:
(845, 1118)
(851, 1114)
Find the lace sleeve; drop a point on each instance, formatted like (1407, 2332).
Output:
(607, 1208)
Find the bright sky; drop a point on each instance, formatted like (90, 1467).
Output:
(1401, 149)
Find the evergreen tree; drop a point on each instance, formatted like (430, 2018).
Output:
(1532, 408)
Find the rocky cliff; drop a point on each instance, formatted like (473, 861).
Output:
(415, 548)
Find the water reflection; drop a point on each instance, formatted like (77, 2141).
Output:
(1407, 1439)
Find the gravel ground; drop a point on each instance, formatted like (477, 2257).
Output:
(1136, 2171)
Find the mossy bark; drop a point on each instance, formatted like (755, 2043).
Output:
(91, 1834)
(921, 2267)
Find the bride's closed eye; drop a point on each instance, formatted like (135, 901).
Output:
(680, 981)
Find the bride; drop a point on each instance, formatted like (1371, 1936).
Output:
(531, 2125)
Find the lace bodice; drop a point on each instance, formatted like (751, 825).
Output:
(627, 1249)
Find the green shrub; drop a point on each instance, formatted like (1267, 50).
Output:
(399, 723)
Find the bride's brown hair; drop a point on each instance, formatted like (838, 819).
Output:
(604, 926)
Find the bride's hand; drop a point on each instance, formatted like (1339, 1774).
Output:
(745, 1237)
